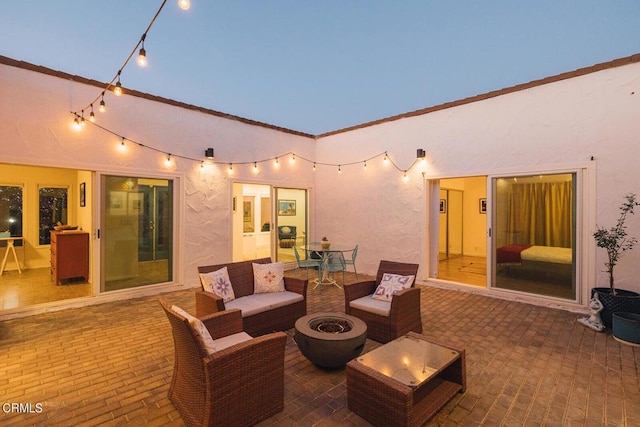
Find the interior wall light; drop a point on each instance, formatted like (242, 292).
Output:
(208, 153)
(142, 55)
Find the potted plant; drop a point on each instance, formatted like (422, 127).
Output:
(616, 241)
(325, 243)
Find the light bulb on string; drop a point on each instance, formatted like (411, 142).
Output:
(122, 147)
(202, 164)
(255, 167)
(314, 166)
(103, 107)
(117, 89)
(92, 115)
(365, 165)
(339, 169)
(293, 158)
(405, 178)
(276, 163)
(142, 55)
(168, 161)
(386, 158)
(76, 123)
(230, 170)
(184, 4)
(82, 122)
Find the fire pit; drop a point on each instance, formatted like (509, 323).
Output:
(330, 340)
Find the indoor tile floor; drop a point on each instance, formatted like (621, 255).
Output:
(111, 364)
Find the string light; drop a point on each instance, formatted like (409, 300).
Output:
(230, 170)
(339, 169)
(141, 59)
(276, 163)
(386, 158)
(92, 115)
(314, 166)
(365, 165)
(117, 90)
(255, 167)
(293, 158)
(103, 107)
(142, 54)
(122, 147)
(168, 161)
(82, 122)
(405, 178)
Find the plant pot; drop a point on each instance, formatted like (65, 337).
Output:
(624, 301)
(626, 328)
(325, 245)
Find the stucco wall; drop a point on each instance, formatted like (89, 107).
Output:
(36, 129)
(544, 128)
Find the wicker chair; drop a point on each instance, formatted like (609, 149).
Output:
(238, 385)
(404, 313)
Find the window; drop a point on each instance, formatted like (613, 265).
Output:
(52, 209)
(11, 211)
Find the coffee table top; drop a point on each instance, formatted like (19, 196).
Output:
(409, 359)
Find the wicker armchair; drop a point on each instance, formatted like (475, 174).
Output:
(404, 313)
(238, 385)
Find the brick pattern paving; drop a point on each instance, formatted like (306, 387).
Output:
(111, 364)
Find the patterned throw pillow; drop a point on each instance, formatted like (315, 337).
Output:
(391, 284)
(202, 334)
(268, 277)
(217, 282)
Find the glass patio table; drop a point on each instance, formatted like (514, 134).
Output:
(325, 255)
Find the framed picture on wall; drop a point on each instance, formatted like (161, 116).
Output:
(483, 206)
(286, 207)
(83, 194)
(443, 206)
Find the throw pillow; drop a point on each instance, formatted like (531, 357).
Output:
(202, 334)
(217, 282)
(268, 277)
(390, 284)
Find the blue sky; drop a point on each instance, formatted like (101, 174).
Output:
(319, 66)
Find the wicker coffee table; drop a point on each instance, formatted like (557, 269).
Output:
(404, 382)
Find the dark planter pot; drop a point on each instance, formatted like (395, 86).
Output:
(624, 301)
(626, 328)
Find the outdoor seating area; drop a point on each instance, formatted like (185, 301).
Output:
(112, 364)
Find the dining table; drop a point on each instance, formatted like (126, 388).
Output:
(325, 255)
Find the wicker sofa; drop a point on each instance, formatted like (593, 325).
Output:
(279, 316)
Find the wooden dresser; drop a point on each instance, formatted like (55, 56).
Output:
(69, 255)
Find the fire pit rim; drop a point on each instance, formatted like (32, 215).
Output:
(303, 326)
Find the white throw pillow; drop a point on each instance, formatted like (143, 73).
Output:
(202, 334)
(217, 282)
(391, 284)
(268, 277)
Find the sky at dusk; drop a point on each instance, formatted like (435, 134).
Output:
(319, 66)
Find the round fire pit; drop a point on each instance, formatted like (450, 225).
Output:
(330, 340)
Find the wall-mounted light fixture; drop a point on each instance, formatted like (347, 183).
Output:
(208, 153)
(421, 154)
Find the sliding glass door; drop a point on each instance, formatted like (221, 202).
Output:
(534, 234)
(136, 232)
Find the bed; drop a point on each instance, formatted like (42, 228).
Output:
(533, 262)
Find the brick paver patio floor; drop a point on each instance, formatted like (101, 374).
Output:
(111, 364)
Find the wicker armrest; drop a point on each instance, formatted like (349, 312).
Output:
(299, 286)
(223, 323)
(357, 290)
(261, 359)
(207, 303)
(405, 301)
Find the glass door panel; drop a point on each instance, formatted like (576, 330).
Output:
(291, 223)
(534, 229)
(137, 232)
